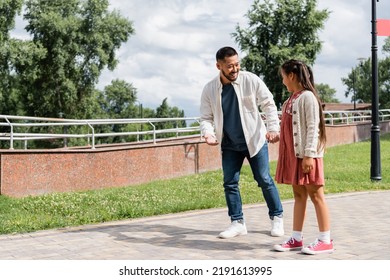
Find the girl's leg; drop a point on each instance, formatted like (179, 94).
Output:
(323, 244)
(300, 202)
(317, 196)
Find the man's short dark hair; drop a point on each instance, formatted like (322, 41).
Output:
(225, 52)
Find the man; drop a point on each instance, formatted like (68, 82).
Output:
(230, 116)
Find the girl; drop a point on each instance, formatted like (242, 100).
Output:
(300, 163)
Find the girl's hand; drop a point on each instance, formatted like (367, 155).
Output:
(307, 164)
(272, 137)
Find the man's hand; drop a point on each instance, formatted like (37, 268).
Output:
(272, 137)
(211, 140)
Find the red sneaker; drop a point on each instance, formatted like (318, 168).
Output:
(318, 247)
(289, 245)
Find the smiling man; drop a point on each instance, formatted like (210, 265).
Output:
(230, 117)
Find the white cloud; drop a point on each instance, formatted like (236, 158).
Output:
(173, 50)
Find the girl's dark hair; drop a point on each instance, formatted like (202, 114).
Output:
(304, 75)
(225, 52)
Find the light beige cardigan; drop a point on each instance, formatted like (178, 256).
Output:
(306, 119)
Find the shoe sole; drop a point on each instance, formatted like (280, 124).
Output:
(287, 249)
(227, 237)
(277, 234)
(316, 252)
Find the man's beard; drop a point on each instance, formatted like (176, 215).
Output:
(227, 76)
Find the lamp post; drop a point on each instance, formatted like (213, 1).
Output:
(375, 129)
(354, 89)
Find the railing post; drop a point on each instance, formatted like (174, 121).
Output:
(154, 132)
(11, 144)
(11, 136)
(93, 136)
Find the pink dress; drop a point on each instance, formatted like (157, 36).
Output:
(289, 168)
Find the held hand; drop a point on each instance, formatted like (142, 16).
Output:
(272, 137)
(211, 140)
(307, 164)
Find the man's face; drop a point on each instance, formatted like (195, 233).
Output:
(229, 68)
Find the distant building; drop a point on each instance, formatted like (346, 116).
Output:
(346, 106)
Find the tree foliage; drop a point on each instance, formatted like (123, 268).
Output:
(8, 94)
(165, 111)
(72, 42)
(55, 71)
(327, 94)
(279, 30)
(118, 100)
(8, 10)
(359, 80)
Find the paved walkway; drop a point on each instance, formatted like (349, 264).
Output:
(360, 229)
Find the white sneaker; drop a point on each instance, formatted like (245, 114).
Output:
(235, 229)
(277, 227)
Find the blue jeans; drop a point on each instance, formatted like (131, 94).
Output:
(231, 164)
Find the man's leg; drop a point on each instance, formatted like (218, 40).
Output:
(260, 168)
(231, 165)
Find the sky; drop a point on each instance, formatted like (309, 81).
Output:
(172, 53)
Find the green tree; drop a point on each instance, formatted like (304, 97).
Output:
(8, 94)
(80, 38)
(8, 10)
(327, 93)
(359, 80)
(279, 30)
(118, 101)
(384, 77)
(165, 111)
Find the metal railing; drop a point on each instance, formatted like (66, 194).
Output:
(15, 124)
(350, 117)
(17, 127)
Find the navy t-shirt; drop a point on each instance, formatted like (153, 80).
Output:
(233, 135)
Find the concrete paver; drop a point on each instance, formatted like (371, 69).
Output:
(360, 229)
